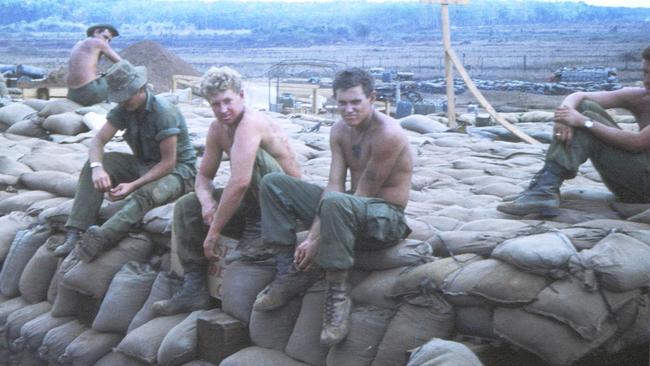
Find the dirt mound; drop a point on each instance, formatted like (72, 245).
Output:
(161, 63)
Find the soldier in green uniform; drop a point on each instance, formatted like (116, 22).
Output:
(161, 168)
(584, 130)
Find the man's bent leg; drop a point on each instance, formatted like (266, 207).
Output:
(92, 93)
(284, 200)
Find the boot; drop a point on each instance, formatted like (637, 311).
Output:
(93, 242)
(193, 294)
(288, 283)
(337, 308)
(72, 236)
(542, 196)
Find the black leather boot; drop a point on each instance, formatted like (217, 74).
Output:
(193, 294)
(337, 308)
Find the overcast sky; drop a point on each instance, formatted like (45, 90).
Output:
(615, 3)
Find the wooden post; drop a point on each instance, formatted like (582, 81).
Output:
(314, 100)
(449, 72)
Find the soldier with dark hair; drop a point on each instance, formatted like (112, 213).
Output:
(584, 130)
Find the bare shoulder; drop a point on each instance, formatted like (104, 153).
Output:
(389, 129)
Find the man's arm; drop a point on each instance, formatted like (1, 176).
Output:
(101, 179)
(106, 49)
(163, 167)
(242, 160)
(210, 163)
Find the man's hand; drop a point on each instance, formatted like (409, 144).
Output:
(303, 257)
(209, 245)
(207, 212)
(101, 179)
(121, 191)
(562, 133)
(568, 116)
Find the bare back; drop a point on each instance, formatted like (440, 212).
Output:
(84, 57)
(380, 160)
(637, 101)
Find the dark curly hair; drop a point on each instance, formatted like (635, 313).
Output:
(349, 78)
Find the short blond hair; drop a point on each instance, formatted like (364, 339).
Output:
(219, 79)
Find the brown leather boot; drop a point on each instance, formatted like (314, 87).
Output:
(193, 295)
(93, 242)
(337, 308)
(288, 283)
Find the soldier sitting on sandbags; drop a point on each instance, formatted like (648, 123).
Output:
(161, 169)
(84, 87)
(256, 146)
(375, 149)
(584, 130)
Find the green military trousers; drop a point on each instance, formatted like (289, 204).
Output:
(348, 222)
(94, 92)
(121, 168)
(188, 229)
(625, 173)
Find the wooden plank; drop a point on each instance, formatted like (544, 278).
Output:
(484, 103)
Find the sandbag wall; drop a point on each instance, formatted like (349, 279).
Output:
(447, 279)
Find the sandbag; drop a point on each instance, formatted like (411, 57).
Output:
(447, 243)
(491, 280)
(411, 327)
(272, 329)
(14, 112)
(65, 302)
(584, 311)
(37, 104)
(621, 263)
(251, 356)
(28, 127)
(37, 275)
(475, 321)
(37, 207)
(126, 294)
(584, 238)
(58, 214)
(367, 326)
(10, 225)
(180, 343)
(33, 332)
(143, 342)
(6, 309)
(635, 332)
(242, 281)
(58, 339)
(18, 318)
(9, 166)
(554, 342)
(67, 123)
(163, 288)
(22, 249)
(421, 124)
(440, 352)
(407, 252)
(89, 347)
(58, 106)
(58, 183)
(22, 201)
(94, 278)
(304, 344)
(159, 219)
(118, 359)
(429, 275)
(543, 254)
(376, 288)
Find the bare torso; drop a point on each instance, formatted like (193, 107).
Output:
(358, 148)
(82, 66)
(638, 103)
(273, 139)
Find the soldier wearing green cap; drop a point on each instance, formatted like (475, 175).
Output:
(84, 87)
(161, 168)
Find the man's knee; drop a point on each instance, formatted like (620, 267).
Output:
(333, 202)
(273, 182)
(589, 105)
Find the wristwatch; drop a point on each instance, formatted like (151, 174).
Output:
(589, 124)
(95, 164)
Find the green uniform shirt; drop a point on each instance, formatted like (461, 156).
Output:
(145, 128)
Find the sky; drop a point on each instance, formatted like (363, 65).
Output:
(614, 3)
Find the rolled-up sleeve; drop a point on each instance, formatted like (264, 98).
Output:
(161, 135)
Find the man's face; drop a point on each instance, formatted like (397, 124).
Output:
(104, 34)
(354, 105)
(646, 75)
(135, 101)
(227, 105)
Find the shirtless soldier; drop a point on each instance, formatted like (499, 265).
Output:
(84, 87)
(256, 146)
(375, 149)
(584, 130)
